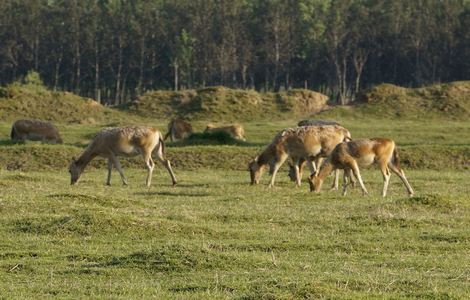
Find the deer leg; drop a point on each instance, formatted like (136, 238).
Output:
(386, 176)
(117, 164)
(276, 165)
(335, 184)
(150, 165)
(318, 163)
(357, 174)
(110, 168)
(166, 163)
(298, 177)
(311, 165)
(352, 181)
(346, 173)
(401, 174)
(302, 162)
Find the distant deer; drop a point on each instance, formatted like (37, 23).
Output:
(127, 141)
(298, 143)
(235, 130)
(349, 155)
(178, 129)
(317, 123)
(35, 130)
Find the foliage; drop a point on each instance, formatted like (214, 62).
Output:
(116, 50)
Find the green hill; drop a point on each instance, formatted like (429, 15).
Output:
(34, 101)
(220, 103)
(447, 100)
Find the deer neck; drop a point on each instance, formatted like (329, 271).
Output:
(85, 158)
(325, 170)
(266, 156)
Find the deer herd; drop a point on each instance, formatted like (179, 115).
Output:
(324, 146)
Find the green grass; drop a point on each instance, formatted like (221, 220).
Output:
(423, 145)
(214, 236)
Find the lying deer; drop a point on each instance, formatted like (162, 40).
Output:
(35, 130)
(317, 123)
(298, 143)
(178, 129)
(126, 141)
(235, 130)
(349, 155)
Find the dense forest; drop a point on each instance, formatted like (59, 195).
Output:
(114, 50)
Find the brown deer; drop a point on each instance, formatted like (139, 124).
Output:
(178, 129)
(35, 130)
(317, 123)
(318, 160)
(298, 143)
(127, 141)
(350, 155)
(235, 130)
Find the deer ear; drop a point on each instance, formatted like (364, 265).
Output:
(73, 159)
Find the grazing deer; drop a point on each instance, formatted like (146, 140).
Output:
(35, 130)
(316, 161)
(178, 129)
(298, 143)
(236, 130)
(349, 155)
(317, 123)
(126, 141)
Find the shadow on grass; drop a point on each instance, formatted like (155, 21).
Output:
(10, 142)
(173, 194)
(211, 139)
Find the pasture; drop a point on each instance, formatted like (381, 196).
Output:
(214, 236)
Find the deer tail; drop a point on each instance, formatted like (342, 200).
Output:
(396, 159)
(13, 132)
(162, 143)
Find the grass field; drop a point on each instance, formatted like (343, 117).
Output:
(214, 236)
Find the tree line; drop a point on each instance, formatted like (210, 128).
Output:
(114, 50)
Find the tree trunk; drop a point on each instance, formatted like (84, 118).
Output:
(119, 73)
(97, 72)
(141, 66)
(175, 68)
(36, 53)
(359, 61)
(56, 72)
(243, 71)
(341, 78)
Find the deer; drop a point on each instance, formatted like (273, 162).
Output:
(317, 123)
(35, 130)
(305, 142)
(178, 129)
(235, 130)
(123, 141)
(316, 161)
(348, 156)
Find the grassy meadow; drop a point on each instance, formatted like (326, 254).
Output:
(214, 236)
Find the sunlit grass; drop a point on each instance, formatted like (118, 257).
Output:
(214, 236)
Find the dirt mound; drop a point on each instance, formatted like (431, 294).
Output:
(220, 103)
(450, 100)
(36, 102)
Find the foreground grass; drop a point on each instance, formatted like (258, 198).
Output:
(213, 236)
